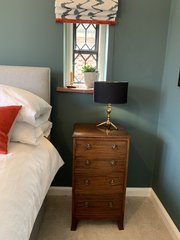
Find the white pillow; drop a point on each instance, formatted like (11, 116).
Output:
(26, 133)
(46, 128)
(34, 111)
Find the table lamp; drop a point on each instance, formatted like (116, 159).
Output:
(110, 93)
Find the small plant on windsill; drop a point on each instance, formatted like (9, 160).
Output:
(88, 68)
(90, 75)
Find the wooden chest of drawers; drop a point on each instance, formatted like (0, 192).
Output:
(100, 162)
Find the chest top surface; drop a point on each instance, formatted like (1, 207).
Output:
(90, 130)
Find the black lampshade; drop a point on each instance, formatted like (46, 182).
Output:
(110, 92)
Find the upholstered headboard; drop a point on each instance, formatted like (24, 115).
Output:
(32, 79)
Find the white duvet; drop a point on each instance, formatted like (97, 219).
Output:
(25, 177)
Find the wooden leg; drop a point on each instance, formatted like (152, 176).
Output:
(120, 225)
(74, 224)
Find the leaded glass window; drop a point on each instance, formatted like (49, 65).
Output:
(85, 48)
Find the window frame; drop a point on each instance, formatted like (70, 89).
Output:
(68, 52)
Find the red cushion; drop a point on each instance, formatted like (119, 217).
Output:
(7, 117)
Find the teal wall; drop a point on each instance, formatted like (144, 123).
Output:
(29, 36)
(138, 57)
(166, 180)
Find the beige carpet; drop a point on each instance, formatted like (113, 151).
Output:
(142, 222)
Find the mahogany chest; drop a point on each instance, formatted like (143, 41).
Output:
(100, 163)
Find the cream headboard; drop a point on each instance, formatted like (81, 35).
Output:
(32, 79)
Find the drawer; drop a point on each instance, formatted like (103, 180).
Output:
(95, 165)
(100, 148)
(98, 207)
(93, 184)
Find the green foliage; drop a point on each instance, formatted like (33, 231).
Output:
(88, 68)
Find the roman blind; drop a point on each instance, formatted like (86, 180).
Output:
(86, 11)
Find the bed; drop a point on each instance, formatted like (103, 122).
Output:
(27, 171)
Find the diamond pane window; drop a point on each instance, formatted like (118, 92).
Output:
(79, 61)
(85, 48)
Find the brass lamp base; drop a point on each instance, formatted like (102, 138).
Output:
(108, 123)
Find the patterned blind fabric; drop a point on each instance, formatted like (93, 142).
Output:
(86, 11)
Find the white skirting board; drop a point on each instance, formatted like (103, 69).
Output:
(132, 192)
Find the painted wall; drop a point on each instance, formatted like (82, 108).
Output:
(138, 57)
(29, 36)
(167, 170)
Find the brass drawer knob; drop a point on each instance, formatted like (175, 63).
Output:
(113, 162)
(86, 204)
(87, 162)
(112, 181)
(110, 204)
(86, 182)
(88, 146)
(114, 146)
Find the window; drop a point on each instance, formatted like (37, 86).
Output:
(84, 44)
(85, 48)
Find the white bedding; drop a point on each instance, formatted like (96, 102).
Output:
(25, 177)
